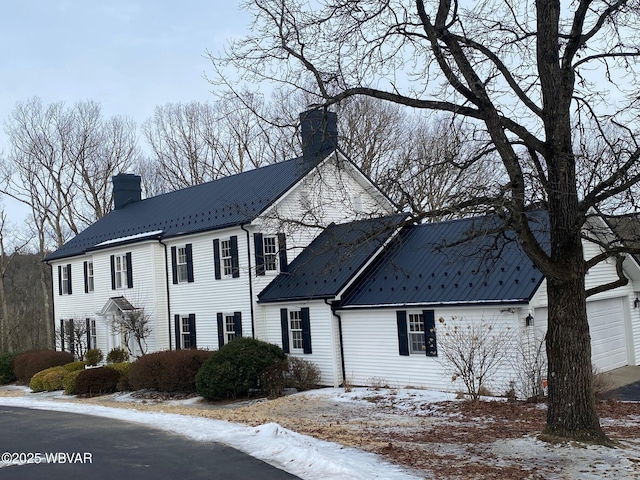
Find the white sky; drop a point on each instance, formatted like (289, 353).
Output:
(128, 55)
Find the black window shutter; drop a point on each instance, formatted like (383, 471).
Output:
(129, 271)
(235, 266)
(189, 252)
(306, 330)
(174, 265)
(88, 328)
(259, 248)
(282, 251)
(284, 323)
(113, 272)
(71, 334)
(403, 337)
(69, 278)
(216, 259)
(192, 330)
(60, 282)
(61, 333)
(86, 278)
(220, 319)
(430, 333)
(237, 323)
(176, 327)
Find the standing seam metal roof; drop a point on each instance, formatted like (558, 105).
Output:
(436, 264)
(324, 268)
(225, 202)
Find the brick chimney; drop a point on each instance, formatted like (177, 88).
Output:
(126, 189)
(319, 134)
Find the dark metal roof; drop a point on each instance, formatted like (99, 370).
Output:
(229, 201)
(439, 263)
(325, 267)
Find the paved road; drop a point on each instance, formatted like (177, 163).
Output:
(104, 449)
(630, 393)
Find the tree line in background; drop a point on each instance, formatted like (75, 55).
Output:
(60, 158)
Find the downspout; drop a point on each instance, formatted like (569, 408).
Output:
(333, 311)
(253, 327)
(166, 278)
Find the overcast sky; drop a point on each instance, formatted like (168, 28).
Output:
(128, 55)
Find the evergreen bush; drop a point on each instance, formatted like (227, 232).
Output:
(235, 369)
(73, 366)
(93, 356)
(6, 368)
(69, 382)
(117, 355)
(48, 380)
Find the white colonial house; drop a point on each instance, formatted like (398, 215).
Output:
(193, 261)
(308, 254)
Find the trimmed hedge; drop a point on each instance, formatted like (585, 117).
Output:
(123, 368)
(169, 371)
(97, 381)
(6, 368)
(73, 366)
(235, 369)
(48, 380)
(27, 364)
(69, 382)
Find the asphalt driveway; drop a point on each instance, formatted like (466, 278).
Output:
(66, 446)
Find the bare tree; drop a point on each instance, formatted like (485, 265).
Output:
(473, 350)
(134, 326)
(531, 81)
(60, 163)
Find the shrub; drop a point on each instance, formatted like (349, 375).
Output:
(235, 369)
(73, 366)
(93, 356)
(117, 355)
(6, 368)
(272, 379)
(302, 374)
(170, 371)
(27, 364)
(123, 368)
(96, 381)
(48, 380)
(69, 382)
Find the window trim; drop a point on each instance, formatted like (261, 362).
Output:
(179, 331)
(287, 342)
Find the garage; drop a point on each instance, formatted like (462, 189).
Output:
(606, 325)
(608, 340)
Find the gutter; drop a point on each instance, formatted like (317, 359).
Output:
(166, 278)
(253, 329)
(335, 313)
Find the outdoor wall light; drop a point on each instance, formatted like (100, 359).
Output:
(636, 303)
(529, 320)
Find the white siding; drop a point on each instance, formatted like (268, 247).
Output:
(324, 337)
(147, 292)
(372, 355)
(206, 296)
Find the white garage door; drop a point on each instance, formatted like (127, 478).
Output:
(606, 325)
(608, 340)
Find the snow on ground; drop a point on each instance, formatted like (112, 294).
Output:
(310, 458)
(300, 455)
